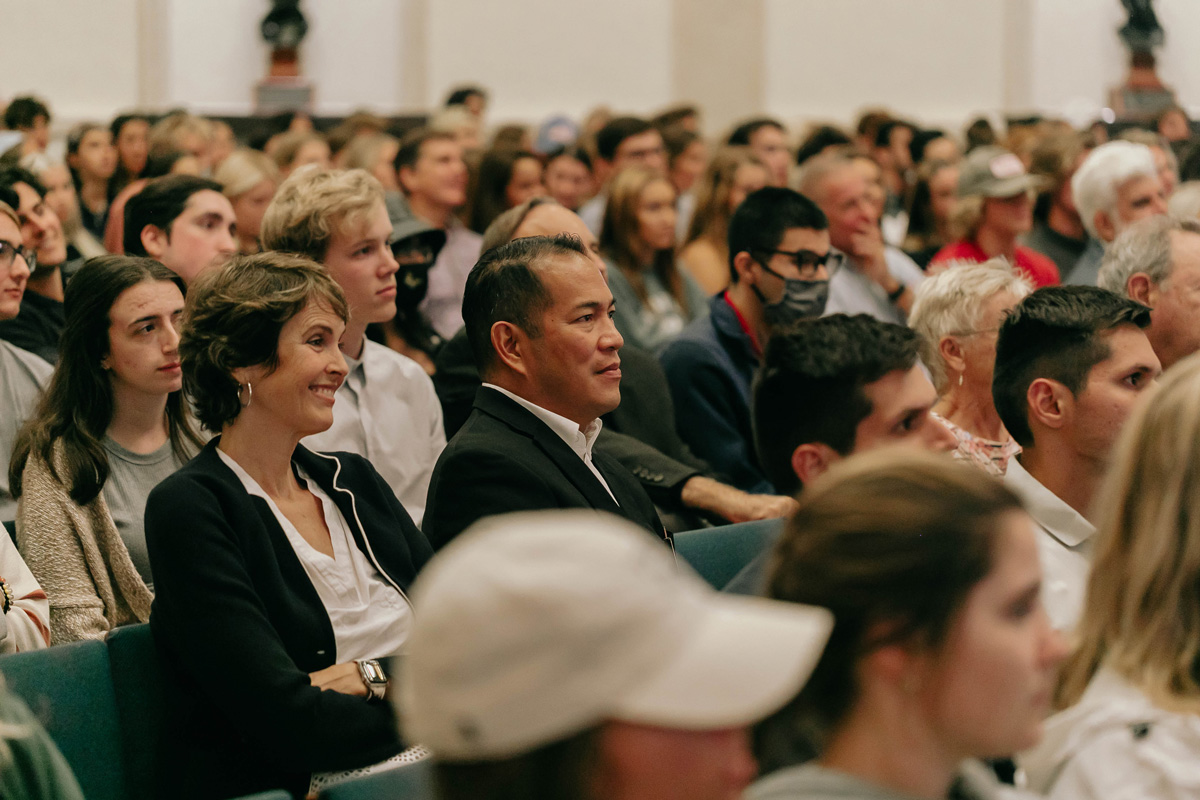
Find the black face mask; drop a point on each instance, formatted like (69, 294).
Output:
(412, 279)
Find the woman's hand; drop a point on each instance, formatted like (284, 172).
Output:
(343, 678)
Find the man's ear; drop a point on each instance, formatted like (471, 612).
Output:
(1049, 402)
(508, 342)
(1104, 226)
(405, 175)
(951, 352)
(155, 241)
(743, 265)
(1139, 287)
(811, 459)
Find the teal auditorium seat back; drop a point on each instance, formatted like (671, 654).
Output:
(140, 700)
(69, 690)
(409, 782)
(719, 553)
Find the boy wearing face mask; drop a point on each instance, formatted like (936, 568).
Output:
(779, 271)
(415, 245)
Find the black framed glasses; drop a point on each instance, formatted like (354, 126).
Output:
(807, 262)
(10, 251)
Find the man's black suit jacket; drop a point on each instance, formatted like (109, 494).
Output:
(506, 459)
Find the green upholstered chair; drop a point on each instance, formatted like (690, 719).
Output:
(719, 553)
(409, 782)
(138, 692)
(69, 690)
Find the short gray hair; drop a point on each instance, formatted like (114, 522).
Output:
(1145, 247)
(951, 301)
(1095, 183)
(817, 170)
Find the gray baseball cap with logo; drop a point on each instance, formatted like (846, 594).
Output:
(995, 172)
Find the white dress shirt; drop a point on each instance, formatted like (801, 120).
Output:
(388, 412)
(442, 305)
(1065, 539)
(852, 292)
(370, 618)
(581, 441)
(1115, 744)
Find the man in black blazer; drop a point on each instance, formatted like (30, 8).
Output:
(640, 433)
(538, 314)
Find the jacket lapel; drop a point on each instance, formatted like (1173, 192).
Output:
(559, 452)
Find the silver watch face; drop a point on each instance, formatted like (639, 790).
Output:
(373, 672)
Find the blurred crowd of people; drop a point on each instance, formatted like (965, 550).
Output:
(255, 376)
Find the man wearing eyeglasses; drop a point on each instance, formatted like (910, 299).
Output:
(40, 323)
(779, 272)
(22, 374)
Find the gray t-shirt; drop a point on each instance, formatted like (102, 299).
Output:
(22, 378)
(131, 476)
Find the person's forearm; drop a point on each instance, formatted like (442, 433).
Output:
(706, 494)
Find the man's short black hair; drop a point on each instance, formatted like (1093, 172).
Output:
(810, 387)
(409, 151)
(763, 218)
(883, 134)
(742, 133)
(505, 286)
(617, 130)
(13, 175)
(23, 112)
(1055, 333)
(159, 204)
(460, 95)
(121, 120)
(821, 138)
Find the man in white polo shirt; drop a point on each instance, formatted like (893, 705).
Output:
(1071, 362)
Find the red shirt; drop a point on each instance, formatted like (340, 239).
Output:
(1040, 270)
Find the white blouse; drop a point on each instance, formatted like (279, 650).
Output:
(1116, 745)
(370, 617)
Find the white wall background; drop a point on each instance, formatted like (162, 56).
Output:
(81, 54)
(938, 61)
(540, 58)
(934, 60)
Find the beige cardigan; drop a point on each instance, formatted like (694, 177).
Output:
(78, 556)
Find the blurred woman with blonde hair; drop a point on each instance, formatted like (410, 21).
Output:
(374, 152)
(249, 179)
(1131, 689)
(655, 300)
(733, 173)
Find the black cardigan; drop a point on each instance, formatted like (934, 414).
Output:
(239, 626)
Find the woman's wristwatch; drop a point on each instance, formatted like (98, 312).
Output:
(6, 596)
(373, 677)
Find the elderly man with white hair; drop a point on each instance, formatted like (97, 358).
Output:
(1157, 263)
(957, 314)
(1117, 184)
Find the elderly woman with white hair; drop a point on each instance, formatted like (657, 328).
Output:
(957, 314)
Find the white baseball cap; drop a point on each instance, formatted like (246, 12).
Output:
(532, 627)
